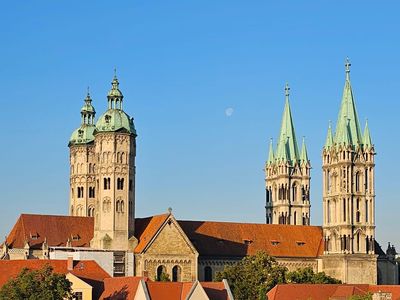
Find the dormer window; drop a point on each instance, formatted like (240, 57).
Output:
(34, 236)
(275, 243)
(300, 243)
(108, 119)
(247, 241)
(75, 237)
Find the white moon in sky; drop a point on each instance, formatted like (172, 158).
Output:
(229, 111)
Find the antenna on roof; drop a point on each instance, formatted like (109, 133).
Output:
(169, 210)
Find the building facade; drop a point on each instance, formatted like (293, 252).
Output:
(102, 221)
(102, 176)
(287, 176)
(349, 196)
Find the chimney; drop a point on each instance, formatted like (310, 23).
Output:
(70, 263)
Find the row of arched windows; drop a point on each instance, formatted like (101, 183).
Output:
(120, 157)
(176, 273)
(80, 168)
(107, 183)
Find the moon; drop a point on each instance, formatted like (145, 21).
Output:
(229, 111)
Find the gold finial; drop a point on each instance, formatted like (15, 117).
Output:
(287, 90)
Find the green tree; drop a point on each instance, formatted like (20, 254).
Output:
(253, 276)
(307, 275)
(40, 284)
(163, 277)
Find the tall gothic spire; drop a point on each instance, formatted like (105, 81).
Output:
(287, 143)
(348, 126)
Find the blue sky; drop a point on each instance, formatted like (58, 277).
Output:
(181, 64)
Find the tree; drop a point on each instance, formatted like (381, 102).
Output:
(40, 284)
(307, 275)
(253, 276)
(164, 277)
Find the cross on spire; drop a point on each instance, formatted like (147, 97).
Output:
(287, 90)
(347, 67)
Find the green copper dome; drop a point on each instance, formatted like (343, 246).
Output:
(82, 135)
(115, 120)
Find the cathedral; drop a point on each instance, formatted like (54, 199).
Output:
(102, 224)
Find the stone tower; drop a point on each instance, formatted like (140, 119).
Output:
(115, 148)
(82, 164)
(349, 196)
(287, 176)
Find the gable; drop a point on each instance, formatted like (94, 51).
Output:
(171, 240)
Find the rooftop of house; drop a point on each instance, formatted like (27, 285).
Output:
(88, 270)
(329, 291)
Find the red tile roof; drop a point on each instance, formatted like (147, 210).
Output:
(146, 228)
(55, 229)
(120, 288)
(180, 290)
(328, 291)
(215, 290)
(165, 290)
(87, 270)
(241, 239)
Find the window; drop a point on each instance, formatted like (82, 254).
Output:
(91, 192)
(78, 296)
(366, 210)
(176, 273)
(357, 181)
(120, 183)
(161, 271)
(80, 191)
(107, 183)
(130, 185)
(295, 218)
(207, 274)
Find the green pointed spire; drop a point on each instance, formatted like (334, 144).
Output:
(367, 136)
(287, 136)
(271, 157)
(329, 137)
(304, 154)
(348, 126)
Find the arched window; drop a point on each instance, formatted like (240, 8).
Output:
(107, 183)
(294, 192)
(295, 218)
(160, 271)
(329, 211)
(208, 274)
(117, 206)
(304, 220)
(366, 211)
(357, 181)
(91, 212)
(176, 273)
(366, 180)
(121, 206)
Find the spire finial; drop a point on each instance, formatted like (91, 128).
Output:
(347, 68)
(115, 72)
(287, 90)
(88, 91)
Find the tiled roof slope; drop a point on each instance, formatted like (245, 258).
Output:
(146, 228)
(328, 291)
(181, 290)
(87, 270)
(240, 239)
(55, 229)
(120, 288)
